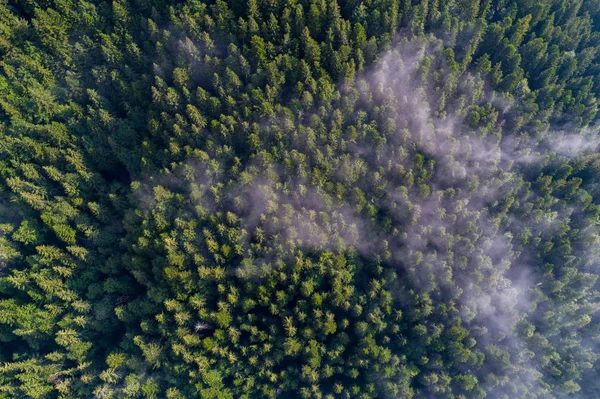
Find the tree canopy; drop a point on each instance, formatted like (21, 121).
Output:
(299, 199)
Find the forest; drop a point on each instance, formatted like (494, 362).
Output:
(299, 199)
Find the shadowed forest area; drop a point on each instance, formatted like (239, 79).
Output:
(299, 199)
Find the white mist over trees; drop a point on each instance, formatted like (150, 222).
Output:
(300, 199)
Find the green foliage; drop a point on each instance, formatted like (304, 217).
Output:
(299, 199)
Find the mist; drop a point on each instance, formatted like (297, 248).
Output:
(458, 236)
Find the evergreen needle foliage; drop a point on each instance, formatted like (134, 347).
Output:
(299, 199)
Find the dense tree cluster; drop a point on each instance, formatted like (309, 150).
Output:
(300, 198)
